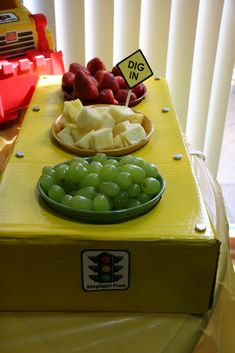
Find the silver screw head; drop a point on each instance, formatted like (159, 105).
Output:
(200, 227)
(36, 108)
(165, 109)
(19, 154)
(178, 156)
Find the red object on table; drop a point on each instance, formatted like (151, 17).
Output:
(19, 75)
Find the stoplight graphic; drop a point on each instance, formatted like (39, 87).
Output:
(105, 268)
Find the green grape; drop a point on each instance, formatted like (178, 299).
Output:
(91, 179)
(110, 201)
(56, 193)
(143, 198)
(111, 161)
(99, 157)
(119, 169)
(101, 203)
(121, 200)
(137, 173)
(125, 160)
(123, 179)
(95, 167)
(81, 161)
(151, 170)
(73, 192)
(47, 170)
(103, 184)
(133, 190)
(75, 173)
(108, 172)
(151, 186)
(77, 160)
(108, 188)
(133, 203)
(89, 192)
(82, 203)
(86, 164)
(60, 173)
(46, 181)
(66, 200)
(138, 161)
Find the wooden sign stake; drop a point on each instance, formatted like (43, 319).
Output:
(128, 98)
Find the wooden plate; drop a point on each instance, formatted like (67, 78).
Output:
(57, 126)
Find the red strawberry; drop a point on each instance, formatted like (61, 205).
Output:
(116, 71)
(121, 96)
(75, 67)
(121, 81)
(139, 90)
(99, 75)
(94, 80)
(67, 82)
(84, 87)
(106, 97)
(109, 81)
(95, 65)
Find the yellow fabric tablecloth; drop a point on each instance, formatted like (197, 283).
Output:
(123, 332)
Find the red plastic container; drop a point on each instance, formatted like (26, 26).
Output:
(18, 79)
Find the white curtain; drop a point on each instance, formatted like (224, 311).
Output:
(190, 42)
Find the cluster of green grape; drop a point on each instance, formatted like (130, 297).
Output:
(101, 183)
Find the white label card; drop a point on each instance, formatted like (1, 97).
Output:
(105, 270)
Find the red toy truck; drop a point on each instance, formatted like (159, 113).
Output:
(26, 51)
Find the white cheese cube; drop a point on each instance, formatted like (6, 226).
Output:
(89, 119)
(120, 113)
(77, 133)
(118, 142)
(102, 139)
(65, 136)
(72, 109)
(85, 141)
(135, 134)
(137, 118)
(121, 127)
(107, 120)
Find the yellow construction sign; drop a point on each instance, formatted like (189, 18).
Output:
(135, 68)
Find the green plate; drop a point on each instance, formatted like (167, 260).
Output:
(107, 216)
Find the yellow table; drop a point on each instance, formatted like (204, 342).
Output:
(38, 226)
(48, 332)
(160, 250)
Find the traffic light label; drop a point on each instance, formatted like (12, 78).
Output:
(105, 270)
(135, 69)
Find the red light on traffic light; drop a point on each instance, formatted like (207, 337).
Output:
(105, 259)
